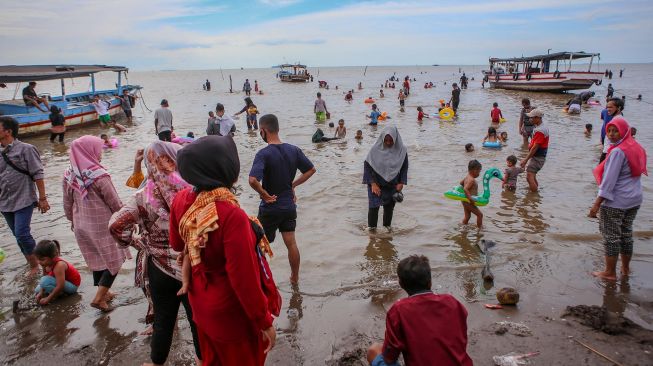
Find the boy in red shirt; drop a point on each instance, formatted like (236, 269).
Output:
(420, 114)
(537, 149)
(495, 113)
(429, 329)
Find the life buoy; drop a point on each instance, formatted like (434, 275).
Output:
(528, 76)
(383, 116)
(556, 75)
(446, 114)
(496, 78)
(113, 143)
(369, 100)
(458, 193)
(486, 78)
(515, 76)
(494, 145)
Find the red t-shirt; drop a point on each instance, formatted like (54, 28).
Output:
(429, 330)
(540, 137)
(496, 115)
(71, 273)
(420, 115)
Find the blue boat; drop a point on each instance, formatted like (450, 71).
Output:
(77, 108)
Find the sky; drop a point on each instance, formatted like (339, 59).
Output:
(200, 34)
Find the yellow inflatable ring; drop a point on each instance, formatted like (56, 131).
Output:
(447, 113)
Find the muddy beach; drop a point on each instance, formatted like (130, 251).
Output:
(546, 245)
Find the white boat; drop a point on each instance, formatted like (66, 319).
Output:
(549, 73)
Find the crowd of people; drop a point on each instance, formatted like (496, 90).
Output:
(195, 246)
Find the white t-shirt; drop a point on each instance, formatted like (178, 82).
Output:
(101, 107)
(164, 116)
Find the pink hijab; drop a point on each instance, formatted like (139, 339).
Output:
(635, 153)
(85, 167)
(161, 187)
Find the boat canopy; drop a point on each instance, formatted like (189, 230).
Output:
(18, 74)
(548, 57)
(291, 65)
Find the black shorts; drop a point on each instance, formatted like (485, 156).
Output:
(128, 113)
(401, 103)
(165, 136)
(285, 221)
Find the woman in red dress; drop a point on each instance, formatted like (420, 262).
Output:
(231, 291)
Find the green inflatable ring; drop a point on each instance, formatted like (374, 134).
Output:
(458, 194)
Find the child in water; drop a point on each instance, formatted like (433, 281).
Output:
(341, 131)
(359, 135)
(60, 277)
(471, 189)
(420, 114)
(105, 138)
(588, 129)
(252, 122)
(469, 147)
(511, 173)
(374, 116)
(212, 118)
(504, 136)
(492, 136)
(381, 94)
(495, 113)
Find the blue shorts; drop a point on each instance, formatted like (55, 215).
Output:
(379, 361)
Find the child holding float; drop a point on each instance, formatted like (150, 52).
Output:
(470, 187)
(495, 113)
(374, 115)
(60, 276)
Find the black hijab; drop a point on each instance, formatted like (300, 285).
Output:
(209, 162)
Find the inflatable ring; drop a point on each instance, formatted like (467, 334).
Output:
(383, 116)
(369, 100)
(528, 76)
(2, 255)
(458, 194)
(493, 145)
(515, 76)
(502, 120)
(496, 78)
(113, 142)
(446, 114)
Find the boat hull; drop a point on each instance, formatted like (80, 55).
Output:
(83, 118)
(546, 82)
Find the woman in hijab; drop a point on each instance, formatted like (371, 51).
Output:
(89, 199)
(619, 197)
(143, 223)
(385, 173)
(231, 291)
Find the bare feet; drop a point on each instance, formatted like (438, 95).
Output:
(33, 271)
(294, 281)
(625, 272)
(605, 275)
(148, 331)
(102, 306)
(109, 296)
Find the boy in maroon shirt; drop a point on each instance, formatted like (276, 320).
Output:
(429, 329)
(495, 113)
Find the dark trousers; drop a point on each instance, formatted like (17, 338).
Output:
(19, 223)
(53, 135)
(103, 278)
(165, 136)
(166, 307)
(373, 215)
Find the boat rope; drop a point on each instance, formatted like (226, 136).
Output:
(140, 93)
(16, 91)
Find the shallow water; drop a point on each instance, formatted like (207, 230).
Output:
(546, 245)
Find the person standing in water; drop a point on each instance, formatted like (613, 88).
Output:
(21, 176)
(320, 108)
(455, 97)
(247, 88)
(275, 165)
(385, 172)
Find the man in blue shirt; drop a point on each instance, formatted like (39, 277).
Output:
(276, 166)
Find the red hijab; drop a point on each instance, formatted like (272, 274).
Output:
(635, 153)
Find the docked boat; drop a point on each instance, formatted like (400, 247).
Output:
(293, 73)
(550, 73)
(76, 108)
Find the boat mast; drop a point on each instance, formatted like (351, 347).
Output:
(119, 83)
(63, 91)
(93, 84)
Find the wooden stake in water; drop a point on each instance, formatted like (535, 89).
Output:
(365, 72)
(231, 89)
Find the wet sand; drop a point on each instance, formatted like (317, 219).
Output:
(546, 246)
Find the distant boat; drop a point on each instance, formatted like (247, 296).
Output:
(293, 73)
(77, 108)
(538, 73)
(436, 65)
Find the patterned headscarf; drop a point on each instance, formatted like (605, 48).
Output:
(85, 167)
(163, 179)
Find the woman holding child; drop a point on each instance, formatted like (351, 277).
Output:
(231, 289)
(619, 197)
(157, 271)
(385, 173)
(89, 199)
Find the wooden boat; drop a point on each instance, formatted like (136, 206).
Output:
(550, 73)
(77, 108)
(293, 73)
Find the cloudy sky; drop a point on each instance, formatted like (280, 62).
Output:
(196, 34)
